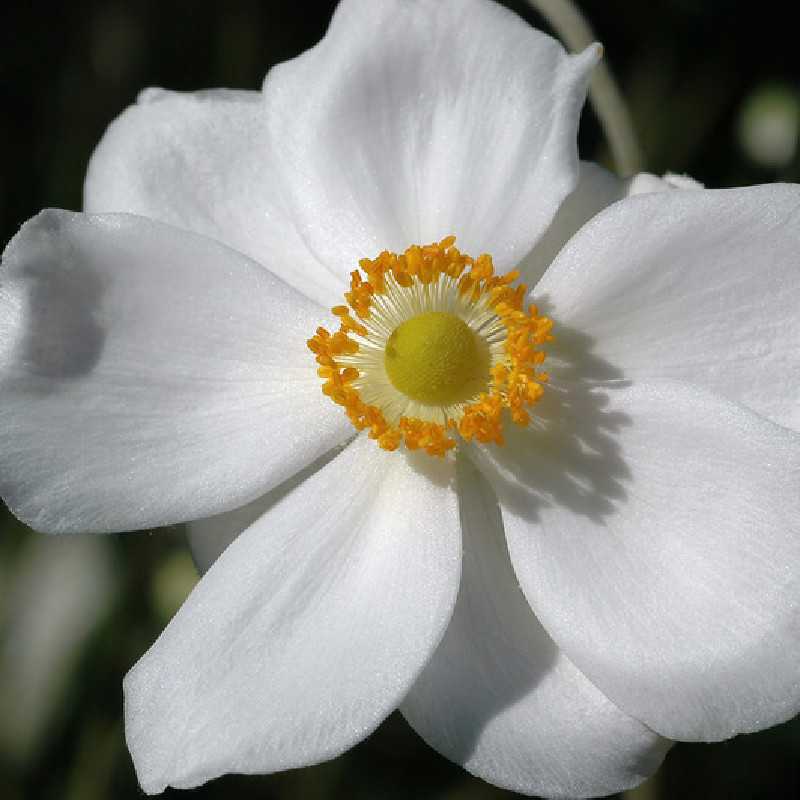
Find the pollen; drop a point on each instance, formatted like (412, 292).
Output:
(432, 348)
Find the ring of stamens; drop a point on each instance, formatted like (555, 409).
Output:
(435, 279)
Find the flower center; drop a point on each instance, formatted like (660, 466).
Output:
(434, 358)
(433, 346)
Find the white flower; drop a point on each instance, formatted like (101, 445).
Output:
(154, 368)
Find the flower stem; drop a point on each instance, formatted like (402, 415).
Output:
(568, 22)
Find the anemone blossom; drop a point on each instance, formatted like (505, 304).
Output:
(556, 528)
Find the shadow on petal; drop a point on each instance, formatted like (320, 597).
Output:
(500, 698)
(63, 334)
(437, 470)
(492, 627)
(568, 455)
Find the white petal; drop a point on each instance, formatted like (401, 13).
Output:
(148, 376)
(654, 530)
(208, 537)
(307, 631)
(597, 189)
(646, 183)
(412, 121)
(202, 161)
(500, 698)
(701, 286)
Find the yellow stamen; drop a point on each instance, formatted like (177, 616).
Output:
(431, 345)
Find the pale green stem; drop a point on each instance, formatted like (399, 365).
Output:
(573, 29)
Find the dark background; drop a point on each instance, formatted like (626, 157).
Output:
(706, 81)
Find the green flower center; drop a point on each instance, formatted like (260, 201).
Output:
(435, 358)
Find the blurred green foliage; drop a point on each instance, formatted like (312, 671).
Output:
(702, 80)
